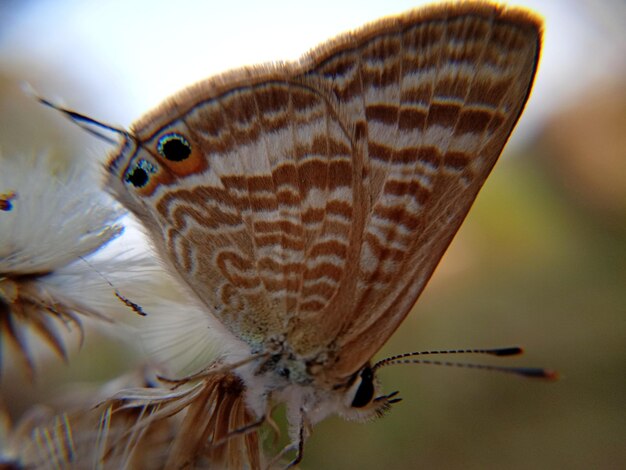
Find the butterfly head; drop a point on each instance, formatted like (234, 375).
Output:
(363, 399)
(358, 398)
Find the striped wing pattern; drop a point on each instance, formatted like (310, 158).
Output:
(440, 98)
(321, 195)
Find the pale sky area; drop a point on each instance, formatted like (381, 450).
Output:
(127, 56)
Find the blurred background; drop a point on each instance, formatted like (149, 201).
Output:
(539, 262)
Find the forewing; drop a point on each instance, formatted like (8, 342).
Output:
(440, 92)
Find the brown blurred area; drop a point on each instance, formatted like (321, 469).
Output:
(540, 262)
(585, 150)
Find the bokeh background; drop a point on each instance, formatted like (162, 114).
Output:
(540, 261)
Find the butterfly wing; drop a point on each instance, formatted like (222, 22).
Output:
(439, 92)
(267, 189)
(319, 197)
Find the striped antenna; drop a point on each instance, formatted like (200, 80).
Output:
(531, 372)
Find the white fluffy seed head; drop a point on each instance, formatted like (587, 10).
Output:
(55, 217)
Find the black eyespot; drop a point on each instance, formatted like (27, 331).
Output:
(139, 174)
(365, 392)
(138, 177)
(174, 147)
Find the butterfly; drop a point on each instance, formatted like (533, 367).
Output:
(307, 204)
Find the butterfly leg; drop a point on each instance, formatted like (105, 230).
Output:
(253, 426)
(297, 444)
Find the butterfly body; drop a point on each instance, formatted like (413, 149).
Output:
(307, 204)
